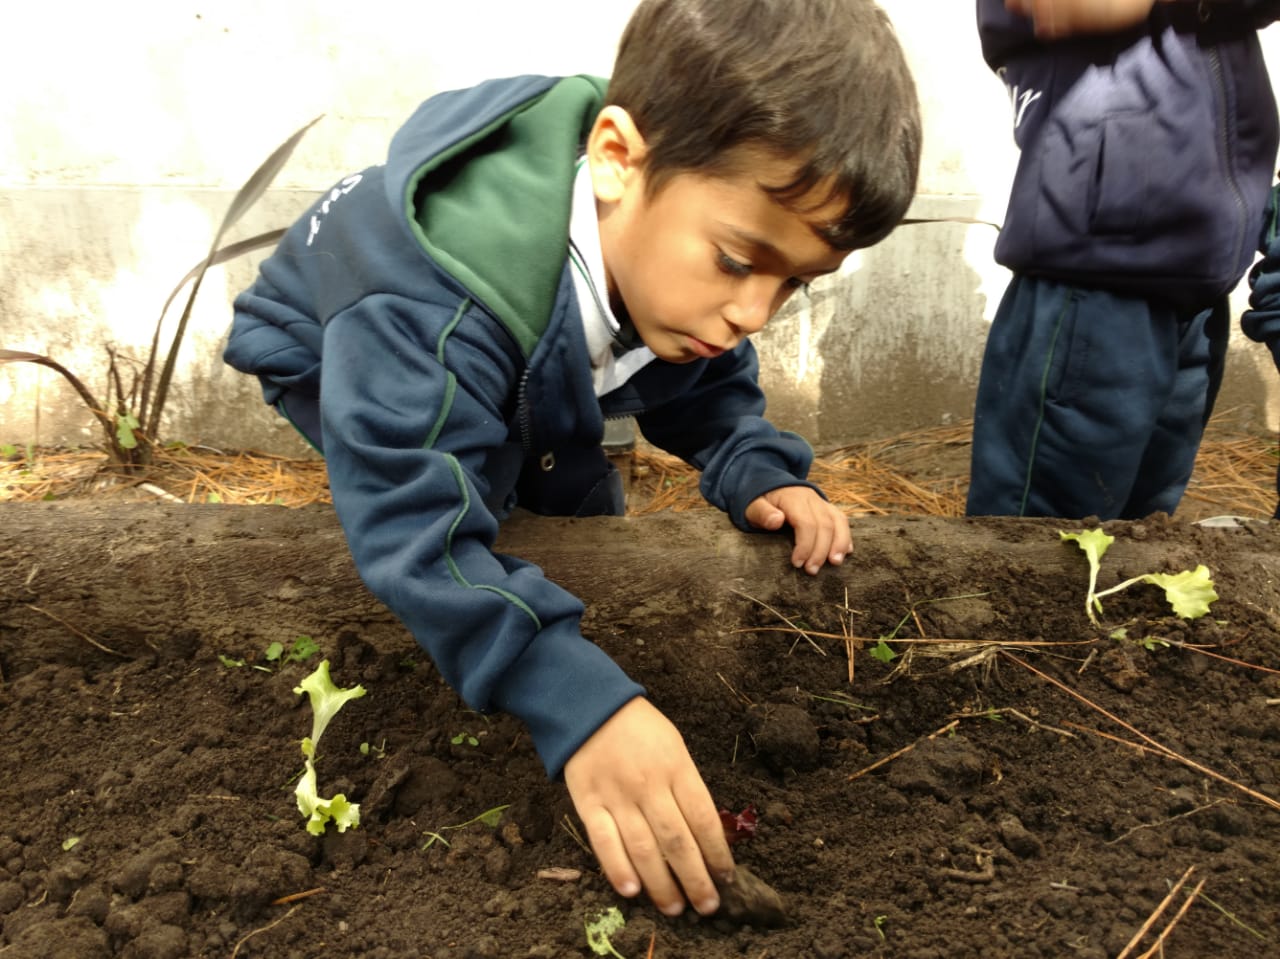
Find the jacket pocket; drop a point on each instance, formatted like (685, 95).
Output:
(1127, 147)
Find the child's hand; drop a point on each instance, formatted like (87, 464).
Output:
(822, 531)
(1060, 18)
(647, 812)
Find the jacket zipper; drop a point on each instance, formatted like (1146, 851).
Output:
(523, 417)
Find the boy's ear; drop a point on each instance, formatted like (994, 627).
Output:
(616, 152)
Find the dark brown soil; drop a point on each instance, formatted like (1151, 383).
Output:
(963, 800)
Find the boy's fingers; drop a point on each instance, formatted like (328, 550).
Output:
(606, 842)
(700, 813)
(842, 544)
(802, 551)
(814, 552)
(655, 858)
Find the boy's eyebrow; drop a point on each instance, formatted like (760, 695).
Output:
(766, 247)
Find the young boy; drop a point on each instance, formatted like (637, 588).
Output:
(450, 330)
(1146, 156)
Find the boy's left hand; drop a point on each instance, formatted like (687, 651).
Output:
(822, 531)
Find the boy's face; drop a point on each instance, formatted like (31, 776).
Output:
(706, 261)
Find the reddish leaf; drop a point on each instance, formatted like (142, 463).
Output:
(740, 826)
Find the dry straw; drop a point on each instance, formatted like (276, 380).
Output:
(922, 472)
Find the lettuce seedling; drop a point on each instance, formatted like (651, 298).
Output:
(302, 649)
(599, 929)
(326, 699)
(1189, 592)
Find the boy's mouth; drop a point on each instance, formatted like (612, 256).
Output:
(705, 350)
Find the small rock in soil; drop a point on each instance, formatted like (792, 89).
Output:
(749, 900)
(1020, 840)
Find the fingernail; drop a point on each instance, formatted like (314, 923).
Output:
(837, 559)
(629, 889)
(673, 910)
(708, 906)
(812, 569)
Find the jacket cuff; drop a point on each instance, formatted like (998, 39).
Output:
(563, 687)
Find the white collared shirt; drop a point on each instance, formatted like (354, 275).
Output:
(610, 366)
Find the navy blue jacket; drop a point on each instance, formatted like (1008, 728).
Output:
(429, 305)
(1146, 156)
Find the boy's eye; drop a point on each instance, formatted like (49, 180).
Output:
(733, 267)
(795, 283)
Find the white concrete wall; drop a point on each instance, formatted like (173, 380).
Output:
(126, 129)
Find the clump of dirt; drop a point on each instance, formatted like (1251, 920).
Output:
(749, 900)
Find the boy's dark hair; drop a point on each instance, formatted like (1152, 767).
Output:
(824, 82)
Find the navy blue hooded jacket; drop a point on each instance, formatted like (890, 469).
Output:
(428, 304)
(1146, 155)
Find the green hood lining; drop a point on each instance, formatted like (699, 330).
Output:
(493, 210)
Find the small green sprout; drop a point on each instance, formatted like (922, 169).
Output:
(1189, 592)
(70, 843)
(326, 699)
(1149, 643)
(464, 737)
(879, 922)
(883, 652)
(599, 929)
(300, 650)
(232, 662)
(490, 818)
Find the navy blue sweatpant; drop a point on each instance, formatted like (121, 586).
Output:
(1091, 403)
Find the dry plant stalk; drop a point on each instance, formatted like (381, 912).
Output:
(83, 635)
(852, 645)
(1155, 915)
(267, 928)
(905, 749)
(1155, 745)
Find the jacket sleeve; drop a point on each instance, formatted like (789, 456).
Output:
(411, 404)
(1261, 322)
(718, 427)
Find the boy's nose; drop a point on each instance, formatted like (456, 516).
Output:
(751, 309)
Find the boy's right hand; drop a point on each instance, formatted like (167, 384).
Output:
(648, 814)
